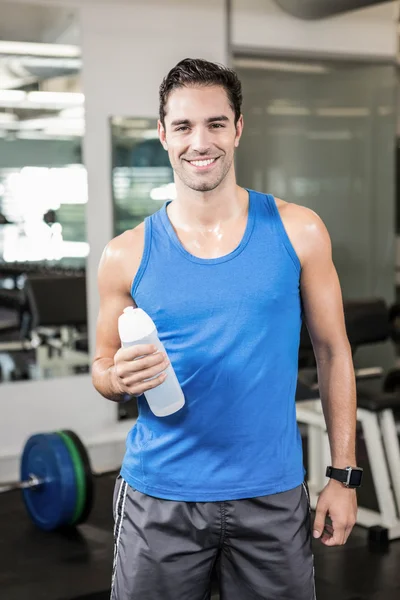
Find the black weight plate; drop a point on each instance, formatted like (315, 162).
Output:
(88, 476)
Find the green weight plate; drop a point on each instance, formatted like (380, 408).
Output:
(88, 475)
(79, 476)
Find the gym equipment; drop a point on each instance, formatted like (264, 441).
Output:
(367, 322)
(50, 501)
(56, 480)
(391, 382)
(84, 464)
(48, 317)
(394, 319)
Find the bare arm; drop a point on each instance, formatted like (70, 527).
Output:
(323, 306)
(116, 372)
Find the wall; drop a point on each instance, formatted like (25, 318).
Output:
(261, 24)
(127, 48)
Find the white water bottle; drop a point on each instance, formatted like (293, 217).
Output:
(136, 327)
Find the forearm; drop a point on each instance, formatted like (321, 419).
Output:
(104, 380)
(338, 396)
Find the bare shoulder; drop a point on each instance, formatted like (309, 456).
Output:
(305, 228)
(125, 243)
(121, 258)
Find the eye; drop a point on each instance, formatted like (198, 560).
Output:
(217, 126)
(183, 128)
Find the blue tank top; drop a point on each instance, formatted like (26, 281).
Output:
(231, 328)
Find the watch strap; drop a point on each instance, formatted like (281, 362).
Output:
(338, 474)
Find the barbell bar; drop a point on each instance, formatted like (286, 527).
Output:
(32, 482)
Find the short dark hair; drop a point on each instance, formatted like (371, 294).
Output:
(196, 71)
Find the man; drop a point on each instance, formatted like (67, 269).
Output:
(227, 274)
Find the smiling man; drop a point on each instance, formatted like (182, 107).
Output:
(227, 274)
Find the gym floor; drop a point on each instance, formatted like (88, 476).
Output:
(77, 565)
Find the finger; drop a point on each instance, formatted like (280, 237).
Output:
(319, 521)
(133, 352)
(125, 368)
(338, 537)
(327, 533)
(143, 364)
(142, 388)
(141, 376)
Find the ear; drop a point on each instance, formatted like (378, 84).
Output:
(162, 135)
(239, 130)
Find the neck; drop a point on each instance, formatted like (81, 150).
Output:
(205, 210)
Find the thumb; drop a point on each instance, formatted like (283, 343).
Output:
(319, 521)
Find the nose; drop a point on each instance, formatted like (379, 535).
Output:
(200, 141)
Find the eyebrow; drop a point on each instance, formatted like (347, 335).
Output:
(209, 120)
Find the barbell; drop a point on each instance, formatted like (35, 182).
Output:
(56, 480)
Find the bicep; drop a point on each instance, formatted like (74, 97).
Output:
(322, 296)
(114, 296)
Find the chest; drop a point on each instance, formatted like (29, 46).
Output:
(183, 295)
(212, 242)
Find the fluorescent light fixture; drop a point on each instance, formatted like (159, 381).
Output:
(76, 112)
(40, 100)
(130, 122)
(279, 65)
(72, 98)
(331, 136)
(52, 125)
(12, 95)
(48, 61)
(44, 135)
(343, 112)
(290, 111)
(33, 49)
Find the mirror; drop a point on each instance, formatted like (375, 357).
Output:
(142, 177)
(142, 181)
(43, 192)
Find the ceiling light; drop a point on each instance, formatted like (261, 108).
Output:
(12, 95)
(292, 111)
(72, 98)
(32, 49)
(75, 112)
(343, 112)
(278, 65)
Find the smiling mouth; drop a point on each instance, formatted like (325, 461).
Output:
(203, 164)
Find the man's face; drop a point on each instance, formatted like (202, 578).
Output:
(200, 135)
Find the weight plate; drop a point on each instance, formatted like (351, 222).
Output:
(79, 477)
(88, 475)
(52, 504)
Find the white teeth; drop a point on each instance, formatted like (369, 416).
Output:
(202, 163)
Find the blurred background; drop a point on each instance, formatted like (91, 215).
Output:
(80, 162)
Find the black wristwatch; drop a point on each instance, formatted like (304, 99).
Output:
(350, 476)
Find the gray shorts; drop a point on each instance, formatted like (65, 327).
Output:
(167, 550)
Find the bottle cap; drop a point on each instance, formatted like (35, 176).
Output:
(134, 324)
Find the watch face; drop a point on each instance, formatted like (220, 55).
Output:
(356, 477)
